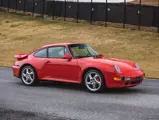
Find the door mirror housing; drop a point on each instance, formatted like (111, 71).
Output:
(67, 56)
(101, 56)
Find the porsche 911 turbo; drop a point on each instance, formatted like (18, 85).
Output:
(76, 63)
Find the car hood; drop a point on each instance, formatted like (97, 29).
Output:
(123, 64)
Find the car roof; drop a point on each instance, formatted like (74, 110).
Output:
(59, 44)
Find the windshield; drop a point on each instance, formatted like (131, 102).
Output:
(82, 50)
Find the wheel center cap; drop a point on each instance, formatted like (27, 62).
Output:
(27, 75)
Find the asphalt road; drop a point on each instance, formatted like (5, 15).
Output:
(54, 101)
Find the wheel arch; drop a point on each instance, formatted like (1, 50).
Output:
(27, 64)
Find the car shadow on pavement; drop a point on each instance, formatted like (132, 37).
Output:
(81, 88)
(78, 87)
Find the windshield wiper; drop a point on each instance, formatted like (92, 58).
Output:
(83, 56)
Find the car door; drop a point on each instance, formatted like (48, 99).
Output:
(40, 59)
(61, 69)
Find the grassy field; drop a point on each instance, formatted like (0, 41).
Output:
(22, 34)
(146, 2)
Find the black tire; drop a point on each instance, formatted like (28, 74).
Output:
(102, 80)
(34, 81)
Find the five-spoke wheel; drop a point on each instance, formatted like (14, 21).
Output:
(94, 81)
(28, 76)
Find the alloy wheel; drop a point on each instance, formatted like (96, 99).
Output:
(93, 81)
(28, 75)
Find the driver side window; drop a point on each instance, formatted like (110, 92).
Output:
(80, 51)
(57, 52)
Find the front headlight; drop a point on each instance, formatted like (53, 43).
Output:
(117, 68)
(137, 66)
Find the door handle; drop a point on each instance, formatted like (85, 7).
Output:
(48, 62)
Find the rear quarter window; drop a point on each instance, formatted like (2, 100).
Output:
(41, 53)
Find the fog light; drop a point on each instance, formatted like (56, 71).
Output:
(127, 78)
(117, 78)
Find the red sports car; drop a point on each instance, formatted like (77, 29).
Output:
(76, 63)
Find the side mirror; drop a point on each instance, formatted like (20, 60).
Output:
(101, 56)
(67, 56)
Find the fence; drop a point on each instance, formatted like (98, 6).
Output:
(125, 13)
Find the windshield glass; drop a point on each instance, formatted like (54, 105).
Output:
(82, 50)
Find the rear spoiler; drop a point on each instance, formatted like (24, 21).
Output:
(20, 56)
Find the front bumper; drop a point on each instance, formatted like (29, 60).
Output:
(136, 78)
(16, 71)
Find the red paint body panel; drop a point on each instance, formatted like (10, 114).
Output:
(72, 70)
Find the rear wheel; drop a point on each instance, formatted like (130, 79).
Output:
(94, 81)
(28, 76)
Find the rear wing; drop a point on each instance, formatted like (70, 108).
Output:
(21, 56)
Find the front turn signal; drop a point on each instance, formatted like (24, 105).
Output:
(117, 78)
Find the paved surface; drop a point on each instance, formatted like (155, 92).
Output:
(53, 101)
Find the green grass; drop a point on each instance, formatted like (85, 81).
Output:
(15, 25)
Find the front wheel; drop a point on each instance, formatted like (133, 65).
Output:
(28, 76)
(94, 81)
